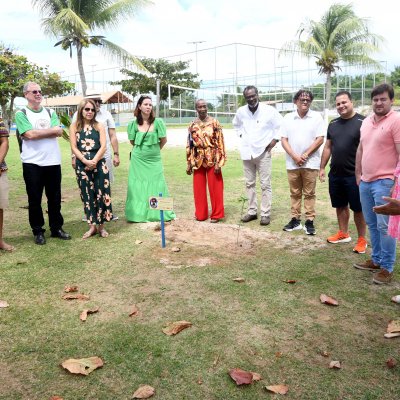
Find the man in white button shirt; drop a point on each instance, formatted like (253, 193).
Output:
(303, 133)
(258, 126)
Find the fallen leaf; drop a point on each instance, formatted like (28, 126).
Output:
(241, 377)
(144, 392)
(324, 353)
(279, 389)
(328, 300)
(391, 335)
(335, 364)
(84, 313)
(175, 327)
(199, 381)
(76, 296)
(256, 377)
(134, 311)
(391, 362)
(3, 304)
(215, 362)
(176, 249)
(70, 289)
(83, 366)
(394, 326)
(290, 281)
(138, 241)
(240, 280)
(278, 354)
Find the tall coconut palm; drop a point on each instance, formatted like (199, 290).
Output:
(340, 36)
(73, 22)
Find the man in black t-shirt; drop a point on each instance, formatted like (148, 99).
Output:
(342, 142)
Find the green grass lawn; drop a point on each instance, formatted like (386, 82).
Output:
(262, 325)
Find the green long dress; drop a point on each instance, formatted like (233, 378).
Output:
(146, 175)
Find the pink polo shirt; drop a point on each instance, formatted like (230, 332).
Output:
(379, 158)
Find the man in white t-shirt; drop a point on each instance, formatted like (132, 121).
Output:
(302, 134)
(105, 117)
(40, 129)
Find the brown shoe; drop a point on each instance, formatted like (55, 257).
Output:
(383, 277)
(367, 266)
(249, 217)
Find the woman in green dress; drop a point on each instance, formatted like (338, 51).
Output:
(88, 144)
(146, 178)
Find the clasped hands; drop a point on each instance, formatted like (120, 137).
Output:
(300, 160)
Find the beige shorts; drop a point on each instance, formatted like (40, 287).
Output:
(4, 189)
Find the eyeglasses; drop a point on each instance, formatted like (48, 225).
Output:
(34, 91)
(87, 109)
(98, 101)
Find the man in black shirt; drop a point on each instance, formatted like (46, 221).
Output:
(342, 142)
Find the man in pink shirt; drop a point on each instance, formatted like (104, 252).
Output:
(377, 157)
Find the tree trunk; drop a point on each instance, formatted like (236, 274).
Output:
(328, 89)
(80, 68)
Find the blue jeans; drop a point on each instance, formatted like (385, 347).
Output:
(383, 245)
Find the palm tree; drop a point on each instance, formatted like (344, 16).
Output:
(340, 36)
(73, 21)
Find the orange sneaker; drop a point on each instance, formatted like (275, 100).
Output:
(360, 246)
(339, 237)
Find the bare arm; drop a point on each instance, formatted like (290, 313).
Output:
(358, 163)
(326, 155)
(315, 145)
(114, 144)
(4, 145)
(37, 134)
(271, 145)
(163, 142)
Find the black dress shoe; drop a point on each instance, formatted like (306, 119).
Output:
(40, 239)
(61, 235)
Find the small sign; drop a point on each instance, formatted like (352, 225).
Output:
(161, 203)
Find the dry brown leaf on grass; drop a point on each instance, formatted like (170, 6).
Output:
(86, 312)
(76, 296)
(199, 380)
(3, 304)
(290, 281)
(324, 353)
(138, 241)
(144, 392)
(242, 377)
(70, 289)
(134, 311)
(335, 365)
(216, 360)
(393, 326)
(240, 280)
(175, 327)
(278, 389)
(328, 300)
(176, 249)
(83, 366)
(278, 354)
(391, 362)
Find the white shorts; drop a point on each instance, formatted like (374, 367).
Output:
(4, 189)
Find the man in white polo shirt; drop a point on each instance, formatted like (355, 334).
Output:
(41, 162)
(303, 133)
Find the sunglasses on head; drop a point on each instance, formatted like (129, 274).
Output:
(87, 109)
(34, 91)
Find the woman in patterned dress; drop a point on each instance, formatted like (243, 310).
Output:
(88, 144)
(205, 155)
